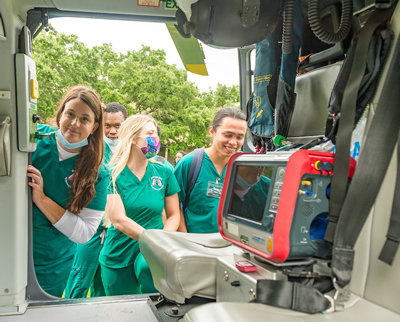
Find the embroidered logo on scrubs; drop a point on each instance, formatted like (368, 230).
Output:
(156, 183)
(68, 180)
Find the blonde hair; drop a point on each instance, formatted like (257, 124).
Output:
(129, 130)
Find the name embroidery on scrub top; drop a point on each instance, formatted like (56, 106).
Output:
(68, 180)
(214, 189)
(156, 182)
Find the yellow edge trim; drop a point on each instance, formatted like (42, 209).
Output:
(199, 69)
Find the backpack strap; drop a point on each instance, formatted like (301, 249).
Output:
(194, 171)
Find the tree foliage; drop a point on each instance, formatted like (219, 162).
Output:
(140, 80)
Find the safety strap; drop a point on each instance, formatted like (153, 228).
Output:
(393, 236)
(347, 116)
(294, 296)
(193, 174)
(370, 172)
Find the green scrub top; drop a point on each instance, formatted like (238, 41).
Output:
(107, 154)
(201, 211)
(169, 165)
(165, 161)
(253, 204)
(144, 202)
(49, 244)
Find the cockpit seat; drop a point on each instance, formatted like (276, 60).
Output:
(311, 110)
(239, 312)
(184, 265)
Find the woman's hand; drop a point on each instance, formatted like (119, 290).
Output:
(37, 185)
(116, 212)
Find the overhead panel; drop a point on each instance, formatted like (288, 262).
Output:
(127, 7)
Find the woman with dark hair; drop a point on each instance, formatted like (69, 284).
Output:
(179, 155)
(227, 131)
(69, 188)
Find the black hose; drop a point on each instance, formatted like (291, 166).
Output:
(318, 29)
(288, 22)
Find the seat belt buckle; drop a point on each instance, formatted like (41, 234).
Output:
(342, 294)
(332, 308)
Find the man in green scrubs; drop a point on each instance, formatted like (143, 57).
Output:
(228, 131)
(53, 252)
(123, 267)
(250, 193)
(86, 272)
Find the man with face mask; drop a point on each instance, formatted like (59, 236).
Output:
(250, 193)
(114, 115)
(85, 271)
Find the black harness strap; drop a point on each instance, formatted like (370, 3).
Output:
(393, 236)
(294, 296)
(370, 172)
(193, 174)
(342, 157)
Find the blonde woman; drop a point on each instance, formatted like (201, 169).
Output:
(141, 188)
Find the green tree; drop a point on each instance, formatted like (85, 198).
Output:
(140, 80)
(62, 61)
(222, 96)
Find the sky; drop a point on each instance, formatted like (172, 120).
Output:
(222, 64)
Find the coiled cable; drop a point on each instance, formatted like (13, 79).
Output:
(318, 29)
(288, 21)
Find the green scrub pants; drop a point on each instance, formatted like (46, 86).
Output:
(133, 279)
(85, 272)
(53, 277)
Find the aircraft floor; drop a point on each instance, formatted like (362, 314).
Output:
(120, 308)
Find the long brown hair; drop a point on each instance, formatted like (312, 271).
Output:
(89, 158)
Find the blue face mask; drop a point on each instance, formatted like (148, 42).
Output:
(71, 146)
(111, 143)
(243, 183)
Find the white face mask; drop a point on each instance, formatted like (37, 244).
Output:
(243, 183)
(111, 143)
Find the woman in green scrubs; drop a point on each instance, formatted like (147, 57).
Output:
(85, 272)
(69, 188)
(141, 189)
(227, 131)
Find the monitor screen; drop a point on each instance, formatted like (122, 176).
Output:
(250, 192)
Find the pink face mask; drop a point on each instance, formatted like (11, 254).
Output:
(152, 148)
